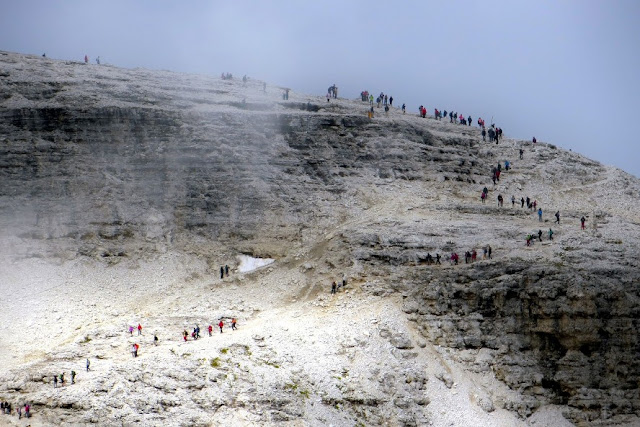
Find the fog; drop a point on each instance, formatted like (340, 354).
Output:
(564, 72)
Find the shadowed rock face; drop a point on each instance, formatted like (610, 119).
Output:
(122, 173)
(118, 164)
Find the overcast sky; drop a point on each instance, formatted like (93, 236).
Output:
(565, 71)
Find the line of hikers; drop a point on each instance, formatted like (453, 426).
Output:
(494, 134)
(224, 271)
(469, 256)
(332, 91)
(531, 204)
(5, 408)
(530, 238)
(196, 331)
(387, 101)
(335, 287)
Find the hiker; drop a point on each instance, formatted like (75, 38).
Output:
(197, 331)
(233, 320)
(371, 100)
(467, 257)
(491, 134)
(534, 140)
(582, 220)
(391, 101)
(454, 258)
(226, 270)
(550, 234)
(73, 377)
(55, 381)
(522, 202)
(474, 255)
(528, 202)
(513, 201)
(483, 196)
(88, 365)
(557, 217)
(155, 340)
(98, 60)
(185, 334)
(469, 120)
(484, 134)
(86, 59)
(222, 272)
(386, 109)
(133, 350)
(139, 329)
(528, 238)
(539, 214)
(506, 165)
(61, 379)
(404, 108)
(19, 411)
(521, 153)
(27, 410)
(489, 251)
(500, 200)
(437, 258)
(333, 287)
(131, 330)
(221, 324)
(540, 235)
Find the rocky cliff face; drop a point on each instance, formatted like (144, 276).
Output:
(107, 171)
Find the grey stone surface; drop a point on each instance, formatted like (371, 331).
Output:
(134, 186)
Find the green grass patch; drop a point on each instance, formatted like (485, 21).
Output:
(275, 365)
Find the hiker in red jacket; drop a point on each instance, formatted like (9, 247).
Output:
(221, 324)
(139, 329)
(210, 329)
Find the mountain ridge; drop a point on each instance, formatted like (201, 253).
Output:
(97, 188)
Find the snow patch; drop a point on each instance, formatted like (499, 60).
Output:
(248, 263)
